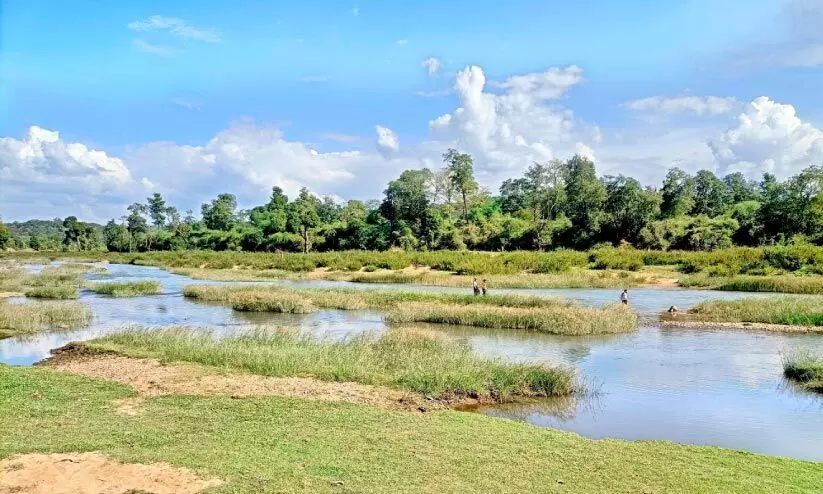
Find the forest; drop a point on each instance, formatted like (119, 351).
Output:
(557, 204)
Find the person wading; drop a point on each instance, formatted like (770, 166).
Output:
(475, 288)
(484, 286)
(624, 297)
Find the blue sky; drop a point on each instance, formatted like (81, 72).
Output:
(250, 94)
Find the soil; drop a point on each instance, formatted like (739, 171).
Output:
(777, 328)
(94, 473)
(150, 377)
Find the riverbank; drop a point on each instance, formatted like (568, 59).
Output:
(786, 313)
(279, 444)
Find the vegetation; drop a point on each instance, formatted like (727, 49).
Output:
(126, 288)
(566, 318)
(288, 445)
(53, 292)
(493, 311)
(792, 311)
(416, 360)
(31, 317)
(805, 368)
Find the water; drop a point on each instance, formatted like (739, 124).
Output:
(712, 387)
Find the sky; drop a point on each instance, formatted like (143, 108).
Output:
(104, 103)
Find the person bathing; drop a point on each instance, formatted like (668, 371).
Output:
(624, 297)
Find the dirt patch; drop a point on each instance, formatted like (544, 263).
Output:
(662, 283)
(129, 406)
(776, 328)
(150, 377)
(11, 294)
(94, 473)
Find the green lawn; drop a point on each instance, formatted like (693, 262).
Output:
(288, 445)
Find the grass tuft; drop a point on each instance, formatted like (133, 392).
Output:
(805, 368)
(413, 359)
(126, 289)
(32, 317)
(791, 311)
(62, 292)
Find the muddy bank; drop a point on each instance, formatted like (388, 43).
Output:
(94, 473)
(776, 328)
(150, 377)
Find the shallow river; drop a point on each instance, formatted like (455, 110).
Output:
(711, 387)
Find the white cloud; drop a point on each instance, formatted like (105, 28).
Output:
(438, 93)
(432, 66)
(387, 140)
(186, 103)
(697, 105)
(340, 137)
(401, 42)
(176, 26)
(159, 50)
(769, 137)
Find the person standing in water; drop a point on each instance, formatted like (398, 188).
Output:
(475, 288)
(484, 286)
(624, 297)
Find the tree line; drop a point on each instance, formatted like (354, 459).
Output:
(556, 204)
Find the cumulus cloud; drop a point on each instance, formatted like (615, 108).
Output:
(432, 66)
(387, 140)
(697, 105)
(176, 26)
(508, 131)
(768, 137)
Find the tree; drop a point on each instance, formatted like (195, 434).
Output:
(514, 195)
(157, 209)
(220, 213)
(461, 176)
(135, 222)
(546, 191)
(5, 236)
(116, 237)
(406, 203)
(629, 209)
(72, 231)
(677, 192)
(739, 189)
(586, 199)
(303, 216)
(710, 195)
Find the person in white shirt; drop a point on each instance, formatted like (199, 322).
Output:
(624, 297)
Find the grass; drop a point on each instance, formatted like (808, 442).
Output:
(264, 445)
(791, 311)
(809, 284)
(805, 368)
(125, 289)
(421, 361)
(567, 319)
(32, 317)
(509, 311)
(63, 292)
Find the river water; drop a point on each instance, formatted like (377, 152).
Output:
(712, 387)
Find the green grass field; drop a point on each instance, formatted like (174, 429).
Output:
(262, 445)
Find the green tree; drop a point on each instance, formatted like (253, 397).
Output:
(5, 236)
(710, 195)
(629, 209)
(677, 194)
(220, 214)
(406, 203)
(157, 209)
(303, 216)
(739, 189)
(116, 237)
(586, 200)
(461, 176)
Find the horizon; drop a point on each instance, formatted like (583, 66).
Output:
(191, 101)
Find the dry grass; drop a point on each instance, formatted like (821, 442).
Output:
(32, 317)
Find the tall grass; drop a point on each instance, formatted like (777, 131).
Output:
(806, 368)
(32, 317)
(126, 289)
(792, 311)
(63, 292)
(568, 319)
(417, 360)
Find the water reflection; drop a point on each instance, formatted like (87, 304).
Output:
(715, 387)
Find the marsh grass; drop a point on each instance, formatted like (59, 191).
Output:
(805, 368)
(126, 289)
(568, 318)
(792, 311)
(63, 292)
(31, 317)
(417, 360)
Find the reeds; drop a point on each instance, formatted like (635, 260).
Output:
(567, 319)
(417, 360)
(32, 317)
(62, 292)
(805, 368)
(792, 311)
(126, 289)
